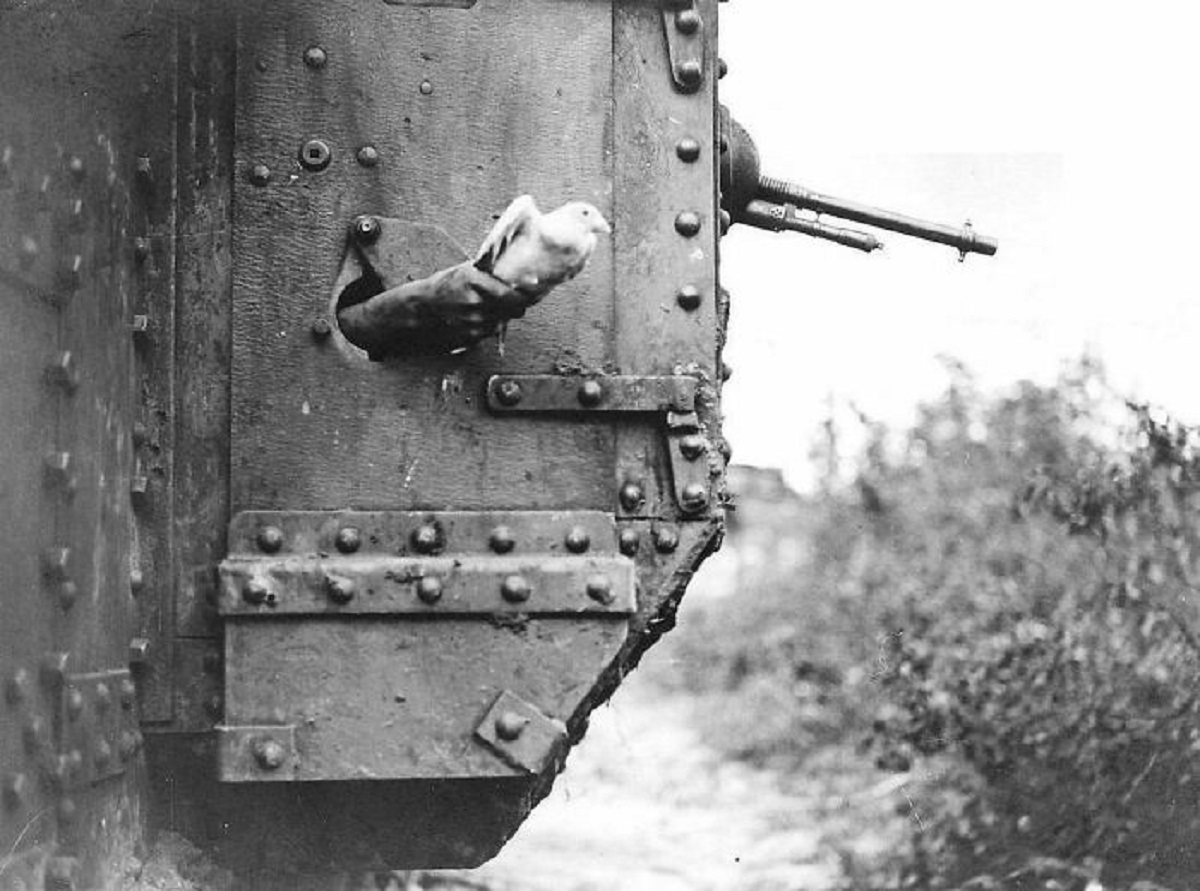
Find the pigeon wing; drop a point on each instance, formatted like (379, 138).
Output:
(515, 220)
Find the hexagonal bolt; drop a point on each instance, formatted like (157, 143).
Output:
(666, 539)
(502, 540)
(632, 496)
(427, 539)
(139, 651)
(315, 57)
(515, 589)
(688, 298)
(270, 539)
(590, 394)
(268, 753)
(510, 725)
(599, 589)
(508, 393)
(429, 589)
(367, 230)
(74, 704)
(629, 541)
(315, 155)
(348, 540)
(577, 540)
(16, 790)
(693, 446)
(340, 590)
(694, 497)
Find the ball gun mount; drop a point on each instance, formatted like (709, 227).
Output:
(749, 197)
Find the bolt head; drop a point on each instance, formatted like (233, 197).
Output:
(348, 540)
(510, 726)
(666, 539)
(340, 590)
(256, 591)
(599, 589)
(429, 589)
(515, 589)
(694, 497)
(427, 539)
(368, 156)
(508, 393)
(269, 754)
(691, 73)
(315, 57)
(629, 541)
(315, 155)
(139, 651)
(687, 21)
(577, 540)
(260, 175)
(270, 539)
(688, 298)
(367, 230)
(632, 496)
(590, 394)
(687, 223)
(688, 150)
(502, 540)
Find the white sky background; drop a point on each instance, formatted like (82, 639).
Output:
(1068, 131)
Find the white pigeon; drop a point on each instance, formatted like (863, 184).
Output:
(534, 252)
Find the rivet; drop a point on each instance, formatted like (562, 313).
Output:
(429, 589)
(368, 156)
(508, 393)
(27, 251)
(688, 298)
(577, 540)
(137, 582)
(366, 230)
(629, 541)
(128, 745)
(726, 371)
(510, 725)
(54, 669)
(128, 694)
(74, 703)
(16, 787)
(666, 539)
(426, 88)
(599, 588)
(141, 249)
(58, 473)
(515, 589)
(687, 223)
(145, 175)
(139, 651)
(33, 734)
(268, 753)
(724, 144)
(215, 706)
(260, 175)
(427, 539)
(692, 446)
(688, 150)
(260, 65)
(68, 593)
(321, 329)
(103, 694)
(17, 688)
(690, 73)
(270, 539)
(139, 487)
(722, 68)
(256, 591)
(348, 540)
(340, 590)
(76, 167)
(687, 21)
(694, 497)
(315, 57)
(62, 372)
(725, 221)
(632, 496)
(315, 155)
(6, 163)
(590, 393)
(56, 563)
(77, 221)
(67, 812)
(102, 755)
(139, 434)
(502, 540)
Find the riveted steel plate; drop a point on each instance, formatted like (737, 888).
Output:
(433, 586)
(600, 393)
(260, 754)
(100, 726)
(520, 733)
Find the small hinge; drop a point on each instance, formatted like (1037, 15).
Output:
(520, 733)
(684, 30)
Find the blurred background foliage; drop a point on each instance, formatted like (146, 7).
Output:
(999, 605)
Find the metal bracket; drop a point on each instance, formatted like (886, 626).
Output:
(520, 734)
(257, 754)
(684, 30)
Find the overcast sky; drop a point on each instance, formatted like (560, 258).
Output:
(1064, 130)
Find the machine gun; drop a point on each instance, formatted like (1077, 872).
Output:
(749, 197)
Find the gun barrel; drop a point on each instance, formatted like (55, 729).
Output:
(779, 218)
(965, 240)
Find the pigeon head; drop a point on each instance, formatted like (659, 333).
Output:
(588, 217)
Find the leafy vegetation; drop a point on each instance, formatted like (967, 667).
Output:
(1003, 606)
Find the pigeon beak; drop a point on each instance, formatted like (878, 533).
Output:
(603, 226)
